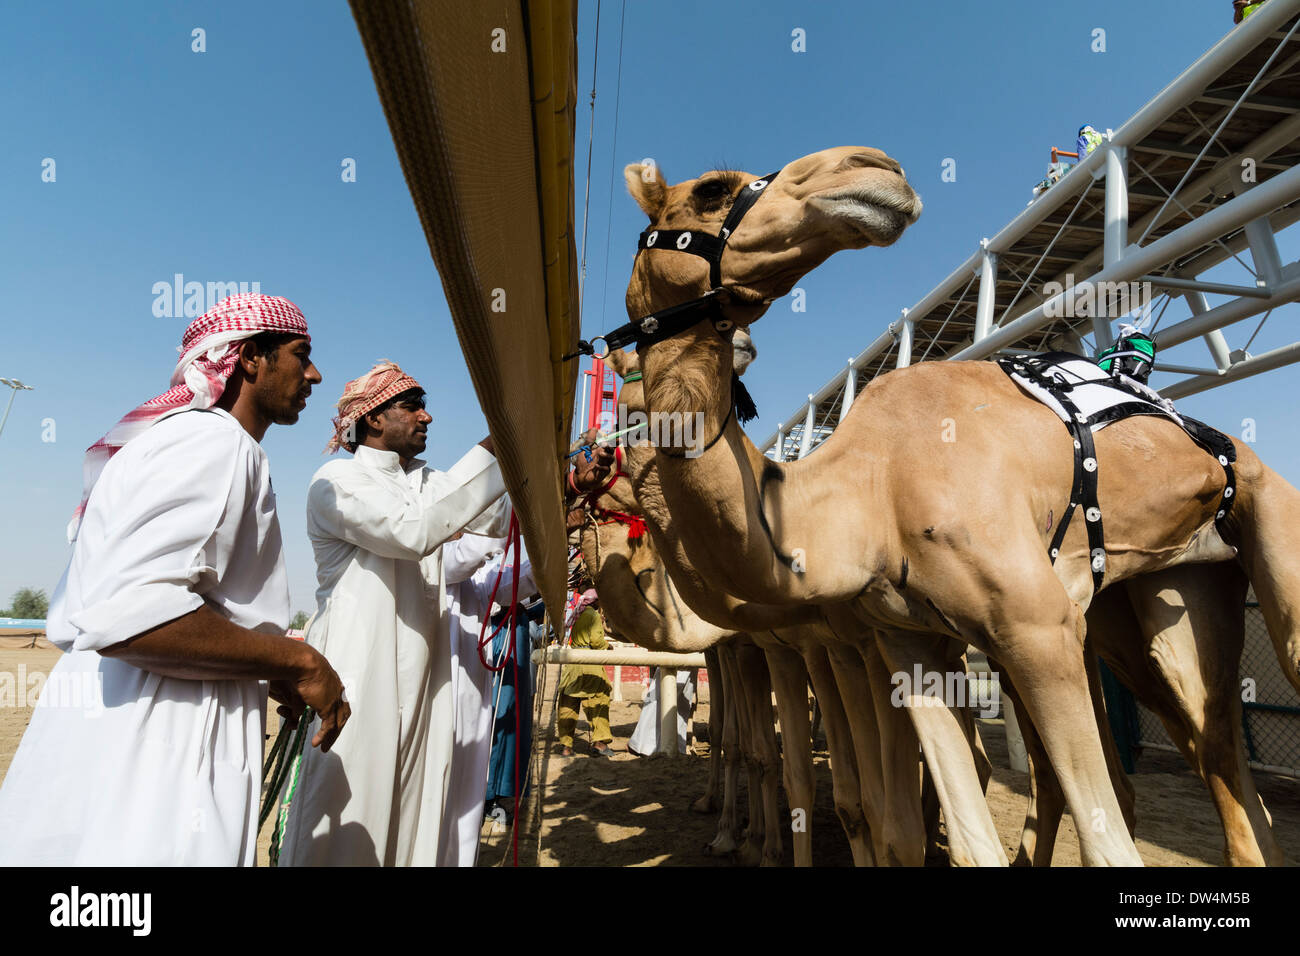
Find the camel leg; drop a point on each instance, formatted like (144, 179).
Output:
(764, 776)
(790, 682)
(846, 789)
(903, 839)
(852, 680)
(1119, 780)
(1193, 621)
(708, 803)
(1045, 657)
(972, 838)
(1046, 801)
(725, 840)
(935, 855)
(966, 715)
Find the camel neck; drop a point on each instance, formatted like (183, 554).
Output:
(742, 520)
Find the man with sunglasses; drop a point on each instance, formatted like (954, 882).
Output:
(377, 522)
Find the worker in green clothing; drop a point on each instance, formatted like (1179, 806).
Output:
(586, 685)
(1241, 9)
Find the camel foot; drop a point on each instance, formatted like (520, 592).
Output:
(705, 804)
(724, 844)
(749, 854)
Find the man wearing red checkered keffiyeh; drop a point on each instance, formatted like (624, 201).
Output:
(210, 352)
(171, 613)
(378, 521)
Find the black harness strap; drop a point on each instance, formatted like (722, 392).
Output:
(1084, 490)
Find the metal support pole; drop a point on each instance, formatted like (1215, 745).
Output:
(780, 444)
(578, 417)
(12, 393)
(1116, 231)
(904, 342)
(805, 440)
(850, 389)
(1214, 340)
(667, 692)
(988, 291)
(1263, 244)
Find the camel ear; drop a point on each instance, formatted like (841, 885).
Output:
(623, 362)
(647, 186)
(743, 351)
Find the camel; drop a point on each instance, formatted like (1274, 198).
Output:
(897, 531)
(1248, 839)
(1244, 820)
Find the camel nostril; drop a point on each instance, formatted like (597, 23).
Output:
(872, 161)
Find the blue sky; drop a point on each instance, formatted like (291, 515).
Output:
(225, 166)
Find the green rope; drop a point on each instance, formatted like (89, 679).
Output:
(286, 769)
(277, 750)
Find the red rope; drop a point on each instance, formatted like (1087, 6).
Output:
(512, 542)
(635, 523)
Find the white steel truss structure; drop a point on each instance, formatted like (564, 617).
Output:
(1205, 172)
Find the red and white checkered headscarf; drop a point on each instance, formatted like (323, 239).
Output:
(365, 394)
(209, 353)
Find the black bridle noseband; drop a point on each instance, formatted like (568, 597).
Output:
(664, 324)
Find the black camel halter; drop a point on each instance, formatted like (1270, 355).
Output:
(664, 324)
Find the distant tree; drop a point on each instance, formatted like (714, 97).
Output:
(29, 603)
(299, 621)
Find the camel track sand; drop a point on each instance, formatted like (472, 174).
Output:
(632, 811)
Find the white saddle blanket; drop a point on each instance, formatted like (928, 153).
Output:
(1096, 393)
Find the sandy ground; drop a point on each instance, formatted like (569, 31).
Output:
(634, 811)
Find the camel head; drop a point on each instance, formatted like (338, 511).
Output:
(847, 197)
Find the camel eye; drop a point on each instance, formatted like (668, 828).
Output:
(711, 190)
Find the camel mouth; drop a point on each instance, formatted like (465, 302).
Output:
(743, 352)
(880, 215)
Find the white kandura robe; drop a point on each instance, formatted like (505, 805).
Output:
(469, 589)
(144, 769)
(645, 738)
(382, 621)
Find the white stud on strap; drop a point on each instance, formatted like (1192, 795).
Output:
(758, 184)
(1093, 514)
(1090, 464)
(650, 325)
(651, 239)
(1099, 560)
(1227, 492)
(683, 240)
